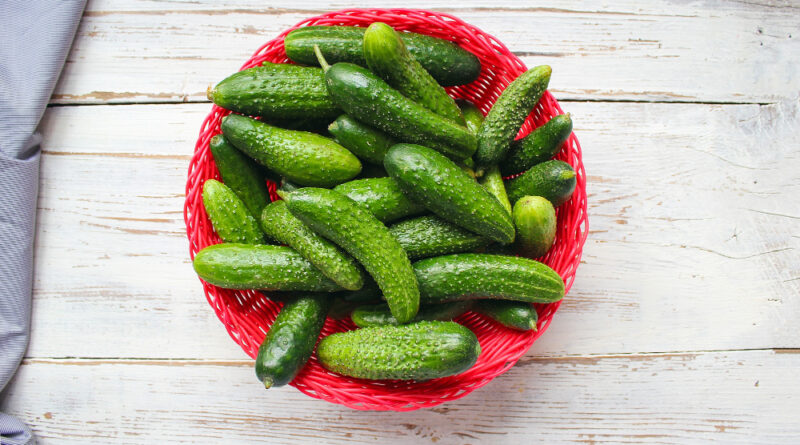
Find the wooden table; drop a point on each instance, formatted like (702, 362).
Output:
(683, 322)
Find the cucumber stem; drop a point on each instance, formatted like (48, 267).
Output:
(282, 193)
(321, 59)
(267, 382)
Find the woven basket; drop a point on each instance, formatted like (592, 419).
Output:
(247, 314)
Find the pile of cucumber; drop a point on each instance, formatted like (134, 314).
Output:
(394, 210)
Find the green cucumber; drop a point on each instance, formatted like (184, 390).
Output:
(554, 180)
(512, 314)
(241, 174)
(284, 227)
(246, 266)
(276, 90)
(369, 144)
(379, 314)
(303, 158)
(229, 216)
(291, 339)
(428, 236)
(355, 229)
(493, 182)
(369, 293)
(535, 220)
(419, 351)
(508, 113)
(372, 171)
(540, 145)
(382, 197)
(467, 276)
(472, 115)
(448, 63)
(387, 56)
(445, 189)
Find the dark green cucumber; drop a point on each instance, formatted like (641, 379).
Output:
(472, 115)
(366, 97)
(445, 189)
(542, 144)
(303, 158)
(419, 351)
(386, 55)
(369, 144)
(276, 90)
(240, 174)
(508, 113)
(467, 276)
(379, 314)
(512, 314)
(245, 266)
(554, 180)
(445, 61)
(535, 220)
(282, 226)
(428, 236)
(493, 182)
(369, 293)
(372, 171)
(229, 216)
(382, 197)
(291, 339)
(355, 229)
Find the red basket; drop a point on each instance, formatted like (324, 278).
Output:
(247, 314)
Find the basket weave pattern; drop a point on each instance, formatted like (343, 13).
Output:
(247, 314)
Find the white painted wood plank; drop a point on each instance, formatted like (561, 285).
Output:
(748, 397)
(134, 51)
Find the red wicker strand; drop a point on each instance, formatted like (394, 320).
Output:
(248, 314)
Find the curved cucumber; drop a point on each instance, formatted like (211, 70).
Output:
(542, 144)
(419, 351)
(428, 236)
(303, 158)
(493, 182)
(240, 174)
(284, 227)
(351, 226)
(511, 314)
(382, 197)
(230, 218)
(553, 180)
(379, 314)
(362, 140)
(535, 220)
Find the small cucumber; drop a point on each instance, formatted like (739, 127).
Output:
(303, 158)
(276, 90)
(291, 339)
(387, 56)
(541, 145)
(369, 144)
(240, 174)
(445, 189)
(284, 227)
(512, 314)
(382, 197)
(472, 115)
(448, 63)
(554, 180)
(535, 220)
(229, 216)
(428, 236)
(245, 266)
(467, 276)
(379, 314)
(508, 113)
(355, 229)
(419, 351)
(493, 182)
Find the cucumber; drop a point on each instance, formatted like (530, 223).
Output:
(382, 197)
(467, 276)
(419, 351)
(493, 182)
(291, 339)
(535, 220)
(542, 144)
(366, 97)
(240, 174)
(508, 113)
(303, 158)
(448, 63)
(511, 314)
(284, 227)
(229, 216)
(386, 55)
(355, 229)
(445, 189)
(372, 171)
(245, 266)
(472, 115)
(369, 293)
(369, 144)
(276, 90)
(554, 180)
(428, 236)
(379, 314)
